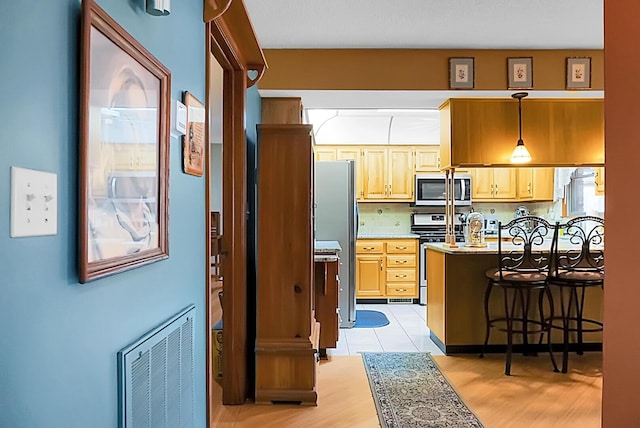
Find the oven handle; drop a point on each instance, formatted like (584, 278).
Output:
(423, 264)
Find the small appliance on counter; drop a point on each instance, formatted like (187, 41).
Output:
(521, 211)
(491, 226)
(474, 231)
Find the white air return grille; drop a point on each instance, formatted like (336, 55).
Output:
(156, 376)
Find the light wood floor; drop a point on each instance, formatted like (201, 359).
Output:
(534, 396)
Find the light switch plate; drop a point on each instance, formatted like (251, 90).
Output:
(34, 202)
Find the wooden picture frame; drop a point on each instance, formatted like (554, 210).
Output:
(193, 142)
(124, 149)
(461, 73)
(579, 73)
(520, 73)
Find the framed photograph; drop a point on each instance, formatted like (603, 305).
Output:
(579, 73)
(520, 73)
(193, 141)
(124, 149)
(461, 73)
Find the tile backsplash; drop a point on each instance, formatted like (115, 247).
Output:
(392, 218)
(395, 218)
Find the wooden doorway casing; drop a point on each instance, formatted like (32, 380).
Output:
(231, 41)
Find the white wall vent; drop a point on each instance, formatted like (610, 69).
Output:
(400, 300)
(156, 376)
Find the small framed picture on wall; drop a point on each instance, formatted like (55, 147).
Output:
(579, 73)
(461, 75)
(520, 73)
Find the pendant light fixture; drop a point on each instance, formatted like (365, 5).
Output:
(520, 153)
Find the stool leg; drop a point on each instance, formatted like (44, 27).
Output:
(487, 294)
(509, 319)
(579, 309)
(524, 306)
(567, 321)
(547, 324)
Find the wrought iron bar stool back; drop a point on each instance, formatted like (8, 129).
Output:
(524, 253)
(577, 265)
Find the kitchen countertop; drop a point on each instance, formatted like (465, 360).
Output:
(326, 251)
(388, 236)
(492, 247)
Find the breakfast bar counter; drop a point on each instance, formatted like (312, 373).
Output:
(456, 285)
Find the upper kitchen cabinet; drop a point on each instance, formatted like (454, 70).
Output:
(427, 158)
(388, 174)
(493, 184)
(282, 110)
(333, 153)
(535, 184)
(557, 132)
(324, 153)
(354, 154)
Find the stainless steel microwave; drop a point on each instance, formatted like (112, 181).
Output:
(430, 189)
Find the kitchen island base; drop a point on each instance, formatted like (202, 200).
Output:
(456, 287)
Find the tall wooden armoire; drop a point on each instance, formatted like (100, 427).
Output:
(287, 333)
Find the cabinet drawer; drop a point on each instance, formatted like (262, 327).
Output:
(402, 290)
(365, 247)
(402, 247)
(401, 275)
(401, 261)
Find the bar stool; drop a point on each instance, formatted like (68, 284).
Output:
(577, 264)
(523, 267)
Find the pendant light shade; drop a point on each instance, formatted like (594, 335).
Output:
(520, 153)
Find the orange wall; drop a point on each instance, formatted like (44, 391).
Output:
(413, 69)
(621, 407)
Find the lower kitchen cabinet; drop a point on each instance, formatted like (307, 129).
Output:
(387, 268)
(370, 275)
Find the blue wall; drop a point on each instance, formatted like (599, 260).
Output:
(58, 339)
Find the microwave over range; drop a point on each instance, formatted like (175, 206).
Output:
(430, 189)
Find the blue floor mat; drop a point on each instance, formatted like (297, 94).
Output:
(370, 319)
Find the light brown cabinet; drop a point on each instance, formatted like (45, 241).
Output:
(354, 154)
(557, 132)
(386, 269)
(535, 184)
(427, 158)
(493, 184)
(287, 333)
(388, 174)
(324, 153)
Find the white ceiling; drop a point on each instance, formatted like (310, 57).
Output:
(424, 24)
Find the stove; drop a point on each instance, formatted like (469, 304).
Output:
(433, 228)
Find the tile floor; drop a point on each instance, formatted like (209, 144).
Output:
(406, 332)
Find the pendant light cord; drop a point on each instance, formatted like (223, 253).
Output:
(520, 96)
(519, 119)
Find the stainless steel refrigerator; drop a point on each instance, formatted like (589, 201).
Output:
(336, 219)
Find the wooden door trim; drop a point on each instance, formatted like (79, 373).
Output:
(232, 42)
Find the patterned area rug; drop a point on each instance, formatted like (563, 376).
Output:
(410, 391)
